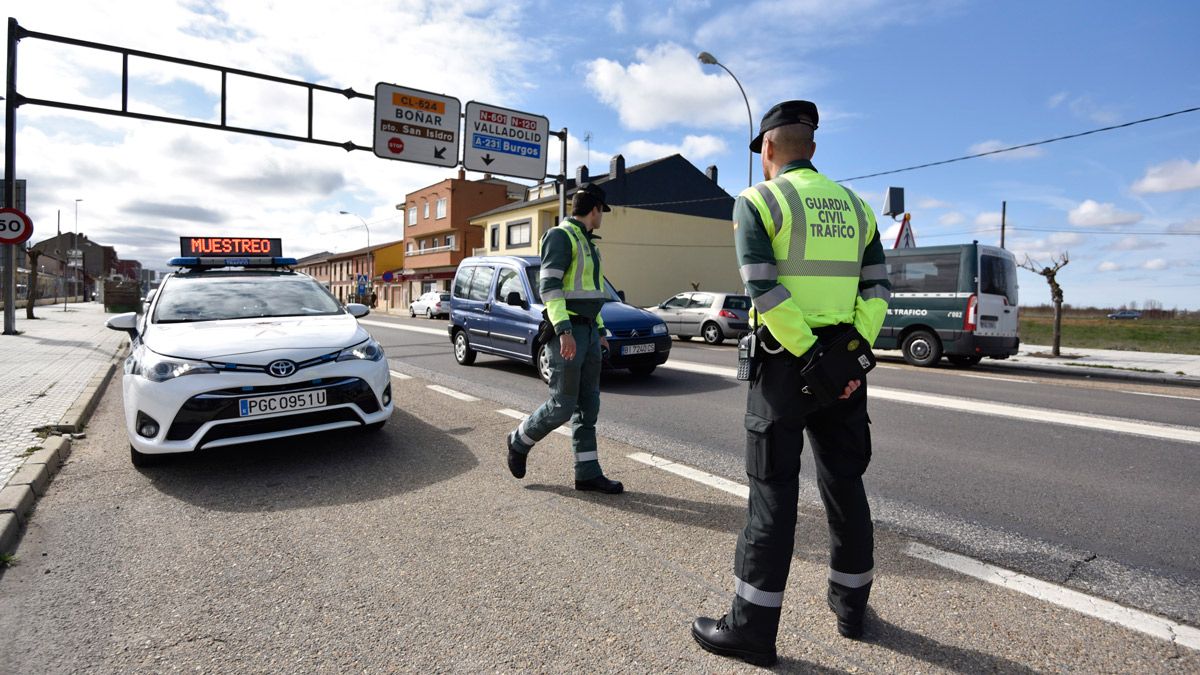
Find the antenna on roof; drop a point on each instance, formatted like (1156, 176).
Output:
(587, 138)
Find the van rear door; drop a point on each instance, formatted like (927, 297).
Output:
(997, 293)
(472, 293)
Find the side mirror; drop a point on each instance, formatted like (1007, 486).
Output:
(357, 310)
(621, 295)
(514, 298)
(124, 322)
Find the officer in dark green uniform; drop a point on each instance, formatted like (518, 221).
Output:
(572, 286)
(811, 259)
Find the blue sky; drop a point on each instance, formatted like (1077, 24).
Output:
(898, 83)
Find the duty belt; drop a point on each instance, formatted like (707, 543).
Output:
(582, 320)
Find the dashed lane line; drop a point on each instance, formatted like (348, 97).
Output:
(975, 406)
(440, 332)
(1104, 610)
(399, 375)
(1146, 393)
(518, 415)
(451, 393)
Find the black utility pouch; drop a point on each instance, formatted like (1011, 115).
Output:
(747, 357)
(833, 365)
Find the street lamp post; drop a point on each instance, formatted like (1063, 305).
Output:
(709, 59)
(370, 256)
(75, 243)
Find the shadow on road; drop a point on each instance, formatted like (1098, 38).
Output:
(340, 467)
(954, 659)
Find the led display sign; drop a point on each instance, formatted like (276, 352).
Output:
(221, 246)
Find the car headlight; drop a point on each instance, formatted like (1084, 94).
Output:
(364, 351)
(159, 368)
(659, 329)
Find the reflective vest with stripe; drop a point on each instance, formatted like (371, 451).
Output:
(818, 231)
(580, 279)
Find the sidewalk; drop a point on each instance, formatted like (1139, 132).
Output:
(46, 370)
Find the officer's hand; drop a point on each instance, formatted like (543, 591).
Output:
(850, 387)
(603, 342)
(566, 346)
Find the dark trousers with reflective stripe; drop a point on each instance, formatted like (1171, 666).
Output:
(777, 414)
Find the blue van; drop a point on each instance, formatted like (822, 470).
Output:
(495, 309)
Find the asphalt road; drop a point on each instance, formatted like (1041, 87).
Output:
(1106, 511)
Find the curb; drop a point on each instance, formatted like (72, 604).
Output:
(17, 498)
(1081, 372)
(81, 410)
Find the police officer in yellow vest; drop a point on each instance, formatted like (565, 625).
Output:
(571, 283)
(811, 260)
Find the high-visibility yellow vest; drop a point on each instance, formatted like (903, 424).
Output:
(580, 279)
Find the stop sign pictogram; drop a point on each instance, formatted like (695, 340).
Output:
(396, 145)
(15, 226)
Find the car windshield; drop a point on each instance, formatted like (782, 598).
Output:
(444, 297)
(534, 270)
(210, 297)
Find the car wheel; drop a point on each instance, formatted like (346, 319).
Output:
(462, 349)
(543, 362)
(642, 371)
(964, 361)
(921, 348)
(412, 313)
(684, 338)
(712, 333)
(429, 314)
(141, 459)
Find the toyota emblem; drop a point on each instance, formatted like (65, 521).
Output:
(281, 368)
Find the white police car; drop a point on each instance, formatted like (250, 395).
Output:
(240, 349)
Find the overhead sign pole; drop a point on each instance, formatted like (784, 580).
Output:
(10, 179)
(561, 178)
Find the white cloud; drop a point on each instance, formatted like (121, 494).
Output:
(988, 219)
(1170, 177)
(932, 204)
(1191, 226)
(1091, 213)
(1109, 266)
(1065, 238)
(1057, 99)
(993, 145)
(695, 148)
(616, 17)
(1084, 107)
(1132, 243)
(952, 218)
(664, 86)
(1155, 264)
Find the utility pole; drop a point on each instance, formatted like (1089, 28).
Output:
(1003, 218)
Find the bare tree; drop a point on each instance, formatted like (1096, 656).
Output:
(1056, 293)
(32, 291)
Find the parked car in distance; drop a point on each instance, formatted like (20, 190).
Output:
(1126, 314)
(431, 304)
(711, 316)
(496, 309)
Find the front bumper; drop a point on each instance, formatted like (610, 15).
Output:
(202, 411)
(615, 359)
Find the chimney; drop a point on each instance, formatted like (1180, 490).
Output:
(711, 172)
(616, 168)
(581, 175)
(462, 173)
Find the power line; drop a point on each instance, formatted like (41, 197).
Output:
(1024, 145)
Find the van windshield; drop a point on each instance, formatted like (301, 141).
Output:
(534, 270)
(936, 273)
(998, 276)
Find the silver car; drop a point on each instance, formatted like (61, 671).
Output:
(712, 316)
(431, 304)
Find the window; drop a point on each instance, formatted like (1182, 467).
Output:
(495, 237)
(408, 248)
(481, 283)
(741, 302)
(937, 273)
(450, 241)
(998, 276)
(462, 282)
(701, 301)
(426, 210)
(412, 215)
(678, 302)
(441, 208)
(509, 282)
(519, 234)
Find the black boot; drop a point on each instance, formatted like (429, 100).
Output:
(847, 628)
(719, 638)
(516, 458)
(600, 484)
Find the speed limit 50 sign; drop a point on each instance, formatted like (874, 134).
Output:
(15, 226)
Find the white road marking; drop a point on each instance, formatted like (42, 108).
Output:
(991, 377)
(451, 393)
(977, 407)
(1144, 393)
(1063, 597)
(441, 332)
(400, 376)
(735, 489)
(518, 415)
